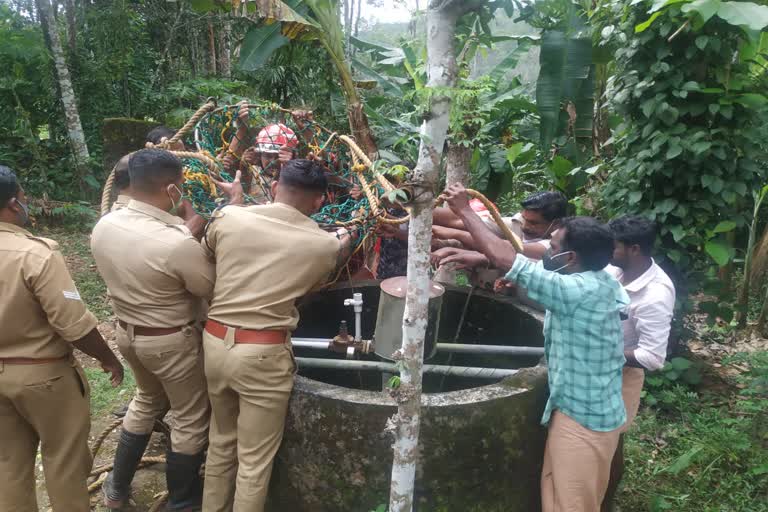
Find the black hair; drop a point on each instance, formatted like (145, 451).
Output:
(9, 185)
(590, 239)
(122, 177)
(306, 175)
(156, 135)
(551, 205)
(150, 168)
(635, 230)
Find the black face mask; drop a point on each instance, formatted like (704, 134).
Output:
(550, 262)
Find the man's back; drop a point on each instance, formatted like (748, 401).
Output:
(266, 257)
(152, 266)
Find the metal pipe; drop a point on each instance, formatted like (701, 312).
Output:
(455, 371)
(459, 348)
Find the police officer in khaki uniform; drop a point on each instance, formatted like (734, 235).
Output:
(155, 270)
(43, 392)
(266, 258)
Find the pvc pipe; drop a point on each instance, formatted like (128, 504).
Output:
(458, 348)
(506, 350)
(455, 371)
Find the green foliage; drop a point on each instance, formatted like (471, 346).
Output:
(697, 454)
(104, 397)
(663, 386)
(688, 148)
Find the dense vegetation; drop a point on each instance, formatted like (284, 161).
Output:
(644, 106)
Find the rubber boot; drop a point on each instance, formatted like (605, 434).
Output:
(185, 487)
(117, 486)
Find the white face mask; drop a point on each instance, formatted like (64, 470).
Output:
(549, 260)
(174, 204)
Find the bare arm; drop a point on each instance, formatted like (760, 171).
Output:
(499, 252)
(445, 217)
(461, 235)
(95, 346)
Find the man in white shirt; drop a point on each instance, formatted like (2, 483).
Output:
(646, 330)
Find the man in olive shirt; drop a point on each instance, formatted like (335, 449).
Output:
(43, 391)
(266, 258)
(155, 271)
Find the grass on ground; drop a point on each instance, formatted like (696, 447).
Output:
(105, 398)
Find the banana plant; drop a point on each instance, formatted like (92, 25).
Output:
(280, 22)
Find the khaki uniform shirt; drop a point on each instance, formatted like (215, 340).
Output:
(267, 256)
(120, 203)
(154, 268)
(40, 308)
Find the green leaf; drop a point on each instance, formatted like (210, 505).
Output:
(724, 227)
(635, 196)
(683, 461)
(673, 151)
(704, 8)
(701, 42)
(202, 5)
(701, 147)
(387, 85)
(647, 23)
(744, 14)
(565, 76)
(752, 100)
(513, 152)
(718, 252)
(677, 232)
(680, 363)
(259, 44)
(509, 63)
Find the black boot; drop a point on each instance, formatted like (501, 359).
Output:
(185, 487)
(117, 486)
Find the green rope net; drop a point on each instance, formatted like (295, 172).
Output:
(220, 130)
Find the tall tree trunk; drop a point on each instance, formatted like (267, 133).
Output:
(166, 50)
(67, 93)
(441, 72)
(211, 49)
(69, 5)
(357, 18)
(348, 14)
(457, 164)
(225, 35)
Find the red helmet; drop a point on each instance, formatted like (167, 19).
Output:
(275, 136)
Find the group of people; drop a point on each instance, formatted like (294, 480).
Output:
(609, 308)
(204, 314)
(205, 310)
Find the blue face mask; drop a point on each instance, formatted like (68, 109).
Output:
(25, 215)
(550, 263)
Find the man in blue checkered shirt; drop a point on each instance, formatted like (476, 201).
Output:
(583, 348)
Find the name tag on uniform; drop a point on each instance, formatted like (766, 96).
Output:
(75, 295)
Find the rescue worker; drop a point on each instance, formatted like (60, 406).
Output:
(649, 319)
(274, 146)
(155, 271)
(267, 257)
(44, 395)
(162, 133)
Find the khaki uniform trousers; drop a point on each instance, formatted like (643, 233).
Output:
(631, 388)
(169, 373)
(48, 405)
(577, 466)
(249, 386)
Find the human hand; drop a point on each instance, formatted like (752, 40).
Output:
(251, 156)
(461, 258)
(115, 371)
(503, 286)
(457, 198)
(301, 116)
(285, 155)
(242, 112)
(234, 190)
(185, 211)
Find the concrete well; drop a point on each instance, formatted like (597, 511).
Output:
(481, 444)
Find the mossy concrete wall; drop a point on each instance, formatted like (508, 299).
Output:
(121, 136)
(480, 449)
